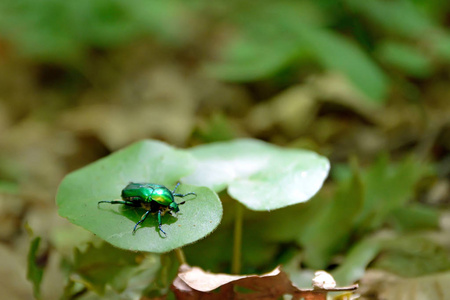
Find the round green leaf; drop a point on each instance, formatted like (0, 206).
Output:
(147, 161)
(259, 175)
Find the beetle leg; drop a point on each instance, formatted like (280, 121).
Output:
(175, 188)
(144, 216)
(129, 203)
(159, 223)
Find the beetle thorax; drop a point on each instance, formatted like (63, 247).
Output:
(162, 196)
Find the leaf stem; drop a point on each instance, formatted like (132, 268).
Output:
(180, 256)
(237, 246)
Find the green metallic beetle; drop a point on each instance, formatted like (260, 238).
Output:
(152, 197)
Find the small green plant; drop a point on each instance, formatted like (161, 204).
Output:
(148, 161)
(260, 176)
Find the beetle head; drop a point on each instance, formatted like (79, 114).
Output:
(174, 207)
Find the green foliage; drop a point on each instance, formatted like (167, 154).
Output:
(8, 187)
(63, 31)
(35, 269)
(105, 264)
(268, 38)
(340, 36)
(323, 226)
(400, 17)
(147, 161)
(363, 201)
(388, 187)
(295, 37)
(346, 57)
(331, 228)
(258, 250)
(115, 273)
(416, 39)
(167, 272)
(357, 260)
(368, 202)
(415, 216)
(290, 223)
(259, 175)
(412, 256)
(406, 58)
(409, 255)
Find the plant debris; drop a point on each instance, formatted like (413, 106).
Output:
(194, 283)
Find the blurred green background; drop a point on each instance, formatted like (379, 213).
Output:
(364, 83)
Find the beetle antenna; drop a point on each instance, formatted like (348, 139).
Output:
(184, 195)
(181, 203)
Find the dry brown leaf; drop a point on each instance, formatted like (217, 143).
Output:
(194, 283)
